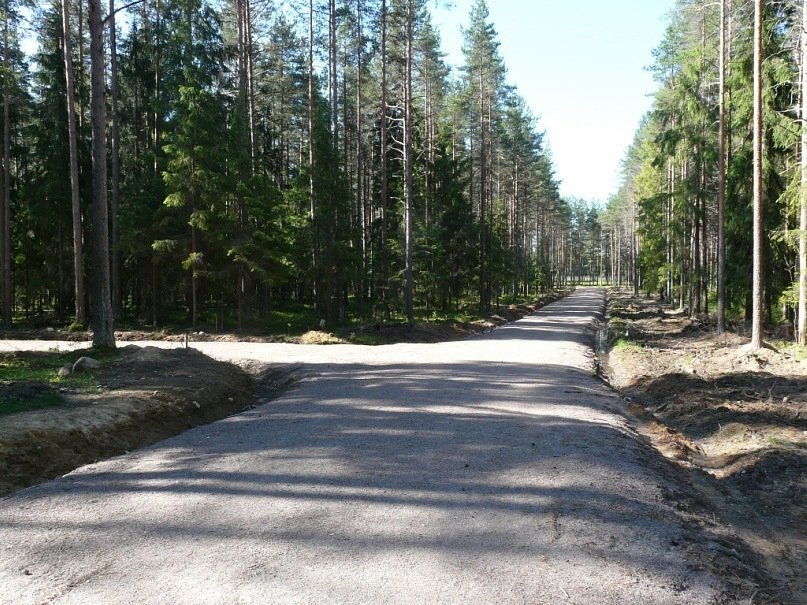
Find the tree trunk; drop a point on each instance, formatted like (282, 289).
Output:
(115, 135)
(484, 298)
(5, 206)
(802, 327)
(409, 195)
(383, 159)
(364, 231)
(78, 245)
(103, 330)
(250, 74)
(332, 79)
(721, 177)
(757, 291)
(312, 214)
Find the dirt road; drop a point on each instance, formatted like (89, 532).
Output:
(492, 470)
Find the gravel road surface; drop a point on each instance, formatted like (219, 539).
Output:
(491, 470)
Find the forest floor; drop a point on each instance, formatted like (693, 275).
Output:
(143, 395)
(734, 421)
(372, 333)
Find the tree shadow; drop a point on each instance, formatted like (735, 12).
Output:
(508, 460)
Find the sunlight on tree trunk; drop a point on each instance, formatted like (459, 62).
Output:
(721, 176)
(757, 295)
(103, 332)
(802, 311)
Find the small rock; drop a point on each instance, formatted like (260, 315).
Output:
(86, 363)
(65, 370)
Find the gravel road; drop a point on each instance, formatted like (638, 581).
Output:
(491, 470)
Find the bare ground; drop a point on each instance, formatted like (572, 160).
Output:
(492, 470)
(145, 396)
(150, 394)
(734, 422)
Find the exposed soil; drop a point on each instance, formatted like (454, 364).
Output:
(149, 394)
(144, 396)
(734, 421)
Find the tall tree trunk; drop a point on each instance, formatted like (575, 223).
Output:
(157, 132)
(244, 170)
(103, 330)
(194, 278)
(250, 88)
(78, 245)
(5, 206)
(333, 86)
(409, 194)
(484, 298)
(721, 176)
(362, 214)
(802, 326)
(383, 159)
(757, 291)
(312, 214)
(115, 135)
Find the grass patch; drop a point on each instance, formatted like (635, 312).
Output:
(798, 352)
(32, 398)
(31, 381)
(623, 345)
(786, 443)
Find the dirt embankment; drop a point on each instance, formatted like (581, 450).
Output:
(146, 395)
(734, 421)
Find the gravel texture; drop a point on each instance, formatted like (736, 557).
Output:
(492, 470)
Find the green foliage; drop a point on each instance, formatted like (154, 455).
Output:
(30, 381)
(222, 210)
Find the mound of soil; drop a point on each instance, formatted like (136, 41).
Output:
(735, 423)
(144, 396)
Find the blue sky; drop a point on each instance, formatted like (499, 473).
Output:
(580, 66)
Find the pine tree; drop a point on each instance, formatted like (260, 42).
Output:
(484, 81)
(103, 331)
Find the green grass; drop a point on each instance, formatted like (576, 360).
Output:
(623, 345)
(786, 443)
(798, 352)
(39, 402)
(31, 381)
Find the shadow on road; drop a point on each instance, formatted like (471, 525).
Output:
(501, 458)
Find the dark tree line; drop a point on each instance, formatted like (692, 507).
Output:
(230, 159)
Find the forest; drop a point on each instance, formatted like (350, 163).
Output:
(714, 185)
(245, 160)
(235, 163)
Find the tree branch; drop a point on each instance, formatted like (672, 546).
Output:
(122, 8)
